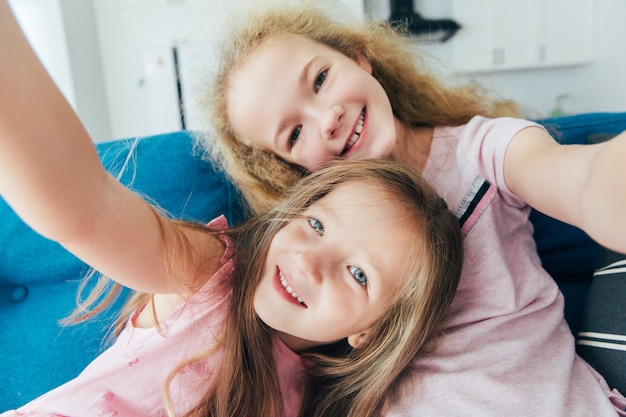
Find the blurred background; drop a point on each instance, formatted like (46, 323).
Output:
(131, 67)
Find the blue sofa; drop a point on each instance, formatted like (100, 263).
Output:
(39, 279)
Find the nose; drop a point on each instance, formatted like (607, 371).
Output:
(311, 264)
(331, 120)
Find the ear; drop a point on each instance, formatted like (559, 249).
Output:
(358, 340)
(363, 62)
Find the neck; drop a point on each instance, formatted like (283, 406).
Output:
(295, 343)
(412, 145)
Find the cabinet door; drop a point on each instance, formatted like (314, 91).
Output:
(154, 90)
(193, 62)
(515, 34)
(513, 40)
(564, 32)
(494, 34)
(475, 46)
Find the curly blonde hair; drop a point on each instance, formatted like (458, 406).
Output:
(418, 98)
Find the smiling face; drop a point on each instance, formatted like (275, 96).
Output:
(332, 272)
(309, 104)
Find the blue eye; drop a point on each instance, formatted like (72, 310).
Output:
(319, 80)
(359, 275)
(294, 136)
(316, 225)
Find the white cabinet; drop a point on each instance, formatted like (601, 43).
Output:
(565, 31)
(518, 34)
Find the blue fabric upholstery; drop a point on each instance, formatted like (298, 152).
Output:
(38, 278)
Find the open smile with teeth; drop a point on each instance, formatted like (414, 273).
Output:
(290, 290)
(356, 134)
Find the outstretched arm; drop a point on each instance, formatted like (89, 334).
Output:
(582, 185)
(52, 177)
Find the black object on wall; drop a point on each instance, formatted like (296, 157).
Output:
(433, 30)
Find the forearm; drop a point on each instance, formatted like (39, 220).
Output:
(47, 159)
(603, 198)
(582, 185)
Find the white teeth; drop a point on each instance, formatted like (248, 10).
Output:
(357, 132)
(289, 289)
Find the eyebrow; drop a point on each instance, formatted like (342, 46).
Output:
(301, 80)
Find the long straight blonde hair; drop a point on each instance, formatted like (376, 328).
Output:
(359, 382)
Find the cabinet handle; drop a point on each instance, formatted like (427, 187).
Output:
(543, 53)
(498, 56)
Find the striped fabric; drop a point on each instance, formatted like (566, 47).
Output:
(601, 340)
(474, 202)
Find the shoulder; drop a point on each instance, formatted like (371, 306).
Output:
(483, 139)
(478, 147)
(500, 130)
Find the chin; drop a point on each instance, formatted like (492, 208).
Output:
(387, 146)
(379, 153)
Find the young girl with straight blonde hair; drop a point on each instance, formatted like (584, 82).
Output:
(315, 308)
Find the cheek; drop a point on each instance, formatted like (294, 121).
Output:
(257, 300)
(263, 293)
(281, 245)
(313, 157)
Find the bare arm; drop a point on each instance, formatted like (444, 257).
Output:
(52, 177)
(583, 185)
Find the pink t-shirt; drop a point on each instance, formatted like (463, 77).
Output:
(127, 379)
(506, 349)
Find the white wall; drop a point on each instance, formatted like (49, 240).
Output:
(603, 84)
(62, 34)
(599, 86)
(43, 26)
(86, 67)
